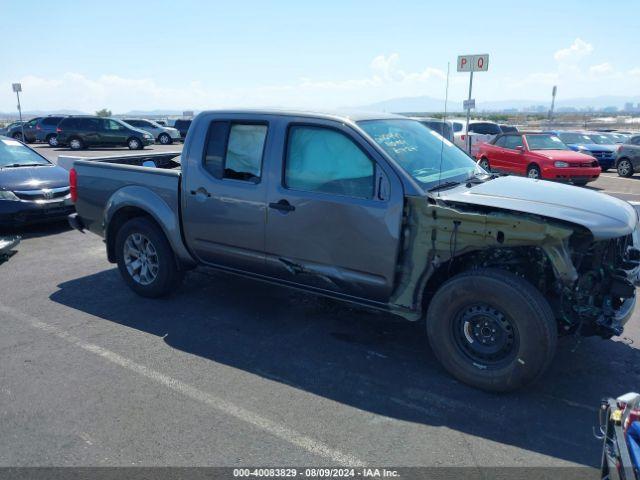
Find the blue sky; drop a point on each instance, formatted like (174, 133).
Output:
(191, 54)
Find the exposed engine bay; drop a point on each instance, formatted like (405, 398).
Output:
(589, 283)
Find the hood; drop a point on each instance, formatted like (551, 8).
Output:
(33, 178)
(564, 155)
(605, 216)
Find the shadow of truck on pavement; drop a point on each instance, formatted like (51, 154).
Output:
(367, 360)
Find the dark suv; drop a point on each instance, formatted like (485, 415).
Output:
(628, 157)
(88, 131)
(46, 130)
(183, 127)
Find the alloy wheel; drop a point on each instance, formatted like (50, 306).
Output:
(141, 259)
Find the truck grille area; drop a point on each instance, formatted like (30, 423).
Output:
(603, 297)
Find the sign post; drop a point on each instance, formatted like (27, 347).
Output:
(472, 63)
(17, 87)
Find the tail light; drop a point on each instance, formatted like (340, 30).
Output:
(58, 130)
(619, 148)
(463, 137)
(38, 127)
(73, 185)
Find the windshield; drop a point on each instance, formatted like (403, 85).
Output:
(418, 150)
(545, 142)
(600, 139)
(15, 154)
(570, 137)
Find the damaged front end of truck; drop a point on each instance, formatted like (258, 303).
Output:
(588, 281)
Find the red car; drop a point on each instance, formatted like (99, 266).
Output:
(537, 155)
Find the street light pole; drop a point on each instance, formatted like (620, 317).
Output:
(469, 112)
(17, 87)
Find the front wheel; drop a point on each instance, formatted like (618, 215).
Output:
(492, 330)
(145, 259)
(134, 144)
(625, 169)
(17, 136)
(533, 172)
(164, 139)
(580, 183)
(52, 140)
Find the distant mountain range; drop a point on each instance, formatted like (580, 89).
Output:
(402, 104)
(430, 104)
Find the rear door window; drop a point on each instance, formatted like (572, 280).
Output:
(234, 150)
(500, 142)
(51, 121)
(325, 160)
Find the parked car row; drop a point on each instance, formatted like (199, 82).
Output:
(83, 131)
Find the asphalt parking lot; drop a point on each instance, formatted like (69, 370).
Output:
(232, 372)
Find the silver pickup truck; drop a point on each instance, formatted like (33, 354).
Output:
(381, 211)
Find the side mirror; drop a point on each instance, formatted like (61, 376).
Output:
(520, 149)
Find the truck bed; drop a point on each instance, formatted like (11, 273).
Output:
(126, 181)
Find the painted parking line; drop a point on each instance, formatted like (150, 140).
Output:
(280, 431)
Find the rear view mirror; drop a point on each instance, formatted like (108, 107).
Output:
(520, 149)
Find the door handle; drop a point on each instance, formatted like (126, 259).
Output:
(200, 191)
(282, 205)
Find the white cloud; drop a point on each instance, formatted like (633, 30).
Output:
(601, 69)
(578, 49)
(635, 72)
(120, 94)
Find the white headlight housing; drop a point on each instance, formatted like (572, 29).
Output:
(560, 164)
(7, 195)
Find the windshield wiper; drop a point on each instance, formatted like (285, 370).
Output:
(17, 165)
(444, 185)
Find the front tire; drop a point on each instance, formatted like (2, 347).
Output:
(533, 172)
(625, 168)
(492, 330)
(52, 140)
(145, 259)
(17, 136)
(134, 144)
(164, 139)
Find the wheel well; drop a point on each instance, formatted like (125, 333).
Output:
(49, 135)
(121, 217)
(533, 164)
(530, 263)
(622, 158)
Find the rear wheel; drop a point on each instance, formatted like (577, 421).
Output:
(625, 168)
(580, 183)
(76, 144)
(533, 172)
(484, 163)
(134, 144)
(492, 330)
(145, 259)
(52, 140)
(164, 139)
(17, 136)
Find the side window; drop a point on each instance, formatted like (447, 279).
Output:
(500, 142)
(235, 150)
(324, 160)
(513, 141)
(88, 124)
(636, 140)
(111, 125)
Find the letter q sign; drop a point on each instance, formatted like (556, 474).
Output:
(473, 63)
